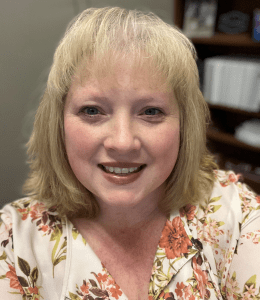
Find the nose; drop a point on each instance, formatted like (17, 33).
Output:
(122, 135)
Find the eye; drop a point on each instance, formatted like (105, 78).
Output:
(152, 111)
(91, 111)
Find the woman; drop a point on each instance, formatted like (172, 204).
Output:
(123, 200)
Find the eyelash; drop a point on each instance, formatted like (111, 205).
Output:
(83, 111)
(155, 108)
(89, 107)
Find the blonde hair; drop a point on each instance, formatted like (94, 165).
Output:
(97, 38)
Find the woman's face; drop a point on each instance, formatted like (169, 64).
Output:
(127, 124)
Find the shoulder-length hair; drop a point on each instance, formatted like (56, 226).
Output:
(97, 38)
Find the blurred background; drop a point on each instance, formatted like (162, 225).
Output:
(31, 29)
(29, 33)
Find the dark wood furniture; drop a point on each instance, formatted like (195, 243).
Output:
(230, 153)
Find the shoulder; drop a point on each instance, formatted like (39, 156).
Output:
(235, 196)
(24, 215)
(26, 208)
(218, 221)
(32, 239)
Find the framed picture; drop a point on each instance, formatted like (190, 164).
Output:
(256, 25)
(199, 18)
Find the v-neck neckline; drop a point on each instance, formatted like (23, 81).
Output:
(96, 271)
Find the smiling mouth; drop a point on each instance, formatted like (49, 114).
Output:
(120, 171)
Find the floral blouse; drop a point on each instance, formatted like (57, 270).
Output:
(209, 251)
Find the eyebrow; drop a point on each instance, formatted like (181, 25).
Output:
(105, 99)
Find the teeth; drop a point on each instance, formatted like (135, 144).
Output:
(120, 170)
(117, 170)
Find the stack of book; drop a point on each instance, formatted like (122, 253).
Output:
(232, 82)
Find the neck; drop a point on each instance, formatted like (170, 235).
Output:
(124, 218)
(120, 223)
(124, 221)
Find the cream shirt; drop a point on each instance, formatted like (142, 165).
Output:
(209, 251)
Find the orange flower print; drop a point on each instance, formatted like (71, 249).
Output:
(188, 293)
(234, 177)
(102, 278)
(184, 291)
(34, 290)
(36, 211)
(44, 228)
(115, 291)
(24, 213)
(179, 290)
(14, 282)
(85, 287)
(166, 296)
(174, 239)
(258, 199)
(189, 211)
(200, 276)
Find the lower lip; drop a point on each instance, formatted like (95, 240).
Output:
(122, 179)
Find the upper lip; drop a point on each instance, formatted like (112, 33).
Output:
(121, 164)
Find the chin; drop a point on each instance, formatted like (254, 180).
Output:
(121, 199)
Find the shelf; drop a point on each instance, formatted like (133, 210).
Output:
(223, 39)
(220, 138)
(229, 139)
(236, 111)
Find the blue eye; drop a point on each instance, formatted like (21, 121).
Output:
(152, 111)
(91, 111)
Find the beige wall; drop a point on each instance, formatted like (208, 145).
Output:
(29, 33)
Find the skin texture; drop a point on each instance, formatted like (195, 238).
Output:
(133, 118)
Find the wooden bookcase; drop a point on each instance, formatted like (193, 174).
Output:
(230, 153)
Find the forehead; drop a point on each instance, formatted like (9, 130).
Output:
(121, 73)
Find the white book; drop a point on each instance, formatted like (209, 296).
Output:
(224, 83)
(235, 86)
(256, 100)
(248, 92)
(254, 103)
(207, 82)
(216, 91)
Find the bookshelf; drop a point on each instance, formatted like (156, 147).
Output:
(230, 152)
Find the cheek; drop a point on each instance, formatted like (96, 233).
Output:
(77, 141)
(167, 144)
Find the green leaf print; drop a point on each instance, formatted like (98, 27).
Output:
(3, 256)
(57, 256)
(58, 260)
(215, 208)
(74, 297)
(75, 233)
(215, 199)
(23, 281)
(84, 241)
(34, 274)
(24, 266)
(56, 234)
(3, 277)
(64, 244)
(220, 223)
(251, 281)
(234, 276)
